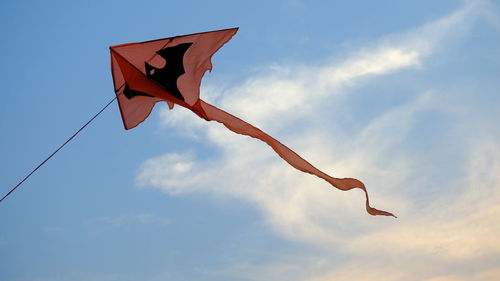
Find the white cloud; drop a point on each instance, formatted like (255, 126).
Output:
(458, 225)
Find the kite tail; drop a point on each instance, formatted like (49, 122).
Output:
(212, 113)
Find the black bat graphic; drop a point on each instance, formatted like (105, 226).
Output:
(166, 76)
(174, 67)
(129, 93)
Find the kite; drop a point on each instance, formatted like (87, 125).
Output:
(171, 70)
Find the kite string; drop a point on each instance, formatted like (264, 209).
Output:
(59, 148)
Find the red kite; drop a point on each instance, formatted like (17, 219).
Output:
(170, 70)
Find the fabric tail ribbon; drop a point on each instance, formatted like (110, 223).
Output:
(233, 123)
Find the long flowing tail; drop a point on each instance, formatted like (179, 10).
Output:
(233, 123)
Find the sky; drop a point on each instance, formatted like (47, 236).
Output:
(403, 95)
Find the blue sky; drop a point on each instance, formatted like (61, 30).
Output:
(403, 96)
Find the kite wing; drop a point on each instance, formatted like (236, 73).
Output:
(170, 70)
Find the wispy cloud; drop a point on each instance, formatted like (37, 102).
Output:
(447, 208)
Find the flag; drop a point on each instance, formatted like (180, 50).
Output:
(171, 70)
